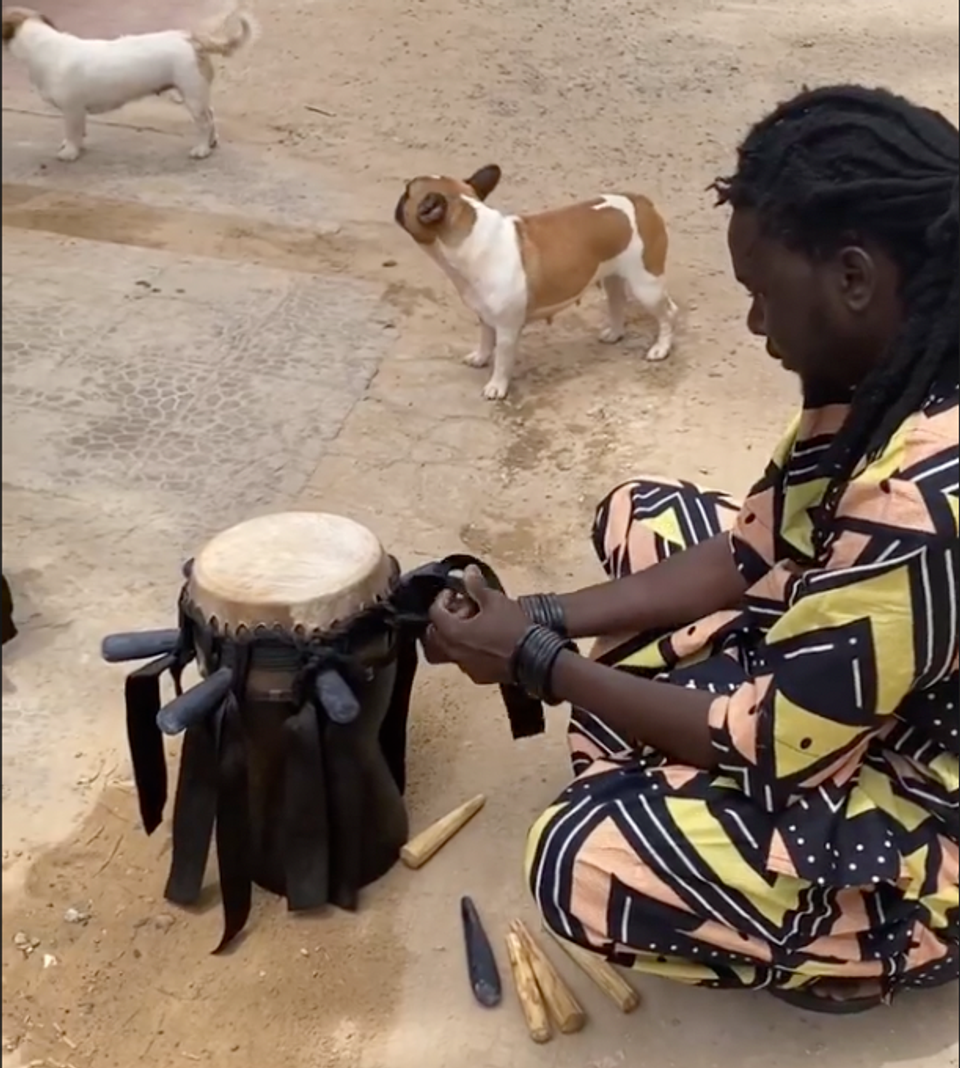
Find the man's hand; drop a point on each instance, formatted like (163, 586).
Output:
(478, 633)
(454, 604)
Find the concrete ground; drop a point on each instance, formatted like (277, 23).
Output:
(185, 345)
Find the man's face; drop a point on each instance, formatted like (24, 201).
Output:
(783, 290)
(822, 319)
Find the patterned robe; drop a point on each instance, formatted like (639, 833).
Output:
(826, 842)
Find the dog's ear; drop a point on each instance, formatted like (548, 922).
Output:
(15, 17)
(432, 210)
(485, 180)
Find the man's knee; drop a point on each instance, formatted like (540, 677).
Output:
(550, 871)
(616, 504)
(615, 516)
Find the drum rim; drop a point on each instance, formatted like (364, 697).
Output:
(297, 637)
(306, 569)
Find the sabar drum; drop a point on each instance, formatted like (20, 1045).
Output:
(283, 593)
(294, 750)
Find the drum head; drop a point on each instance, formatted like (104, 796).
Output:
(300, 571)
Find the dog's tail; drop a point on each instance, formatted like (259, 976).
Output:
(234, 31)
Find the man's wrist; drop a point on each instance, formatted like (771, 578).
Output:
(534, 660)
(545, 610)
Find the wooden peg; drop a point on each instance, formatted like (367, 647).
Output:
(610, 981)
(531, 1001)
(426, 845)
(565, 1011)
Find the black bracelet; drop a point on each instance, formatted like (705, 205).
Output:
(534, 659)
(545, 609)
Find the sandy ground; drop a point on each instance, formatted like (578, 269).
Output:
(341, 343)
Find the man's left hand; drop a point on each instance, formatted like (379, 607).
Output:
(481, 644)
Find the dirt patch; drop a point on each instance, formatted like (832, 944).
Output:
(189, 233)
(126, 979)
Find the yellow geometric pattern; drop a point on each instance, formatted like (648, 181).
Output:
(802, 739)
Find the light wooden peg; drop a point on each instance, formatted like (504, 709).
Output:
(565, 1011)
(610, 981)
(426, 845)
(531, 1001)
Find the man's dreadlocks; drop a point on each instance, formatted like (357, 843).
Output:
(835, 165)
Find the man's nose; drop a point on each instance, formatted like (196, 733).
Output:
(756, 319)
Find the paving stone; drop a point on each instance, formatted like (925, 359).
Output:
(224, 404)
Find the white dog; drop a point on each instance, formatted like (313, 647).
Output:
(81, 76)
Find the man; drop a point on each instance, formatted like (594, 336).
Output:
(767, 774)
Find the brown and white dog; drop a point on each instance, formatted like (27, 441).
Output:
(513, 269)
(84, 76)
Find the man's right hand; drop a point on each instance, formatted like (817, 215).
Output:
(456, 604)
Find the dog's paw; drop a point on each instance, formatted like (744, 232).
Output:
(201, 151)
(477, 358)
(495, 389)
(69, 152)
(658, 352)
(611, 335)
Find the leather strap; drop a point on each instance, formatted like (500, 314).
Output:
(305, 834)
(346, 807)
(393, 732)
(233, 810)
(194, 814)
(142, 700)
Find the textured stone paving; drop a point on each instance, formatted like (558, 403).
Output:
(150, 399)
(155, 382)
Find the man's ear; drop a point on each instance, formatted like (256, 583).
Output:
(857, 271)
(485, 180)
(432, 210)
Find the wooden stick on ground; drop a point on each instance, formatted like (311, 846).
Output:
(534, 1010)
(426, 845)
(610, 981)
(565, 1010)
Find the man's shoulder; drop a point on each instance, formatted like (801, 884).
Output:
(929, 447)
